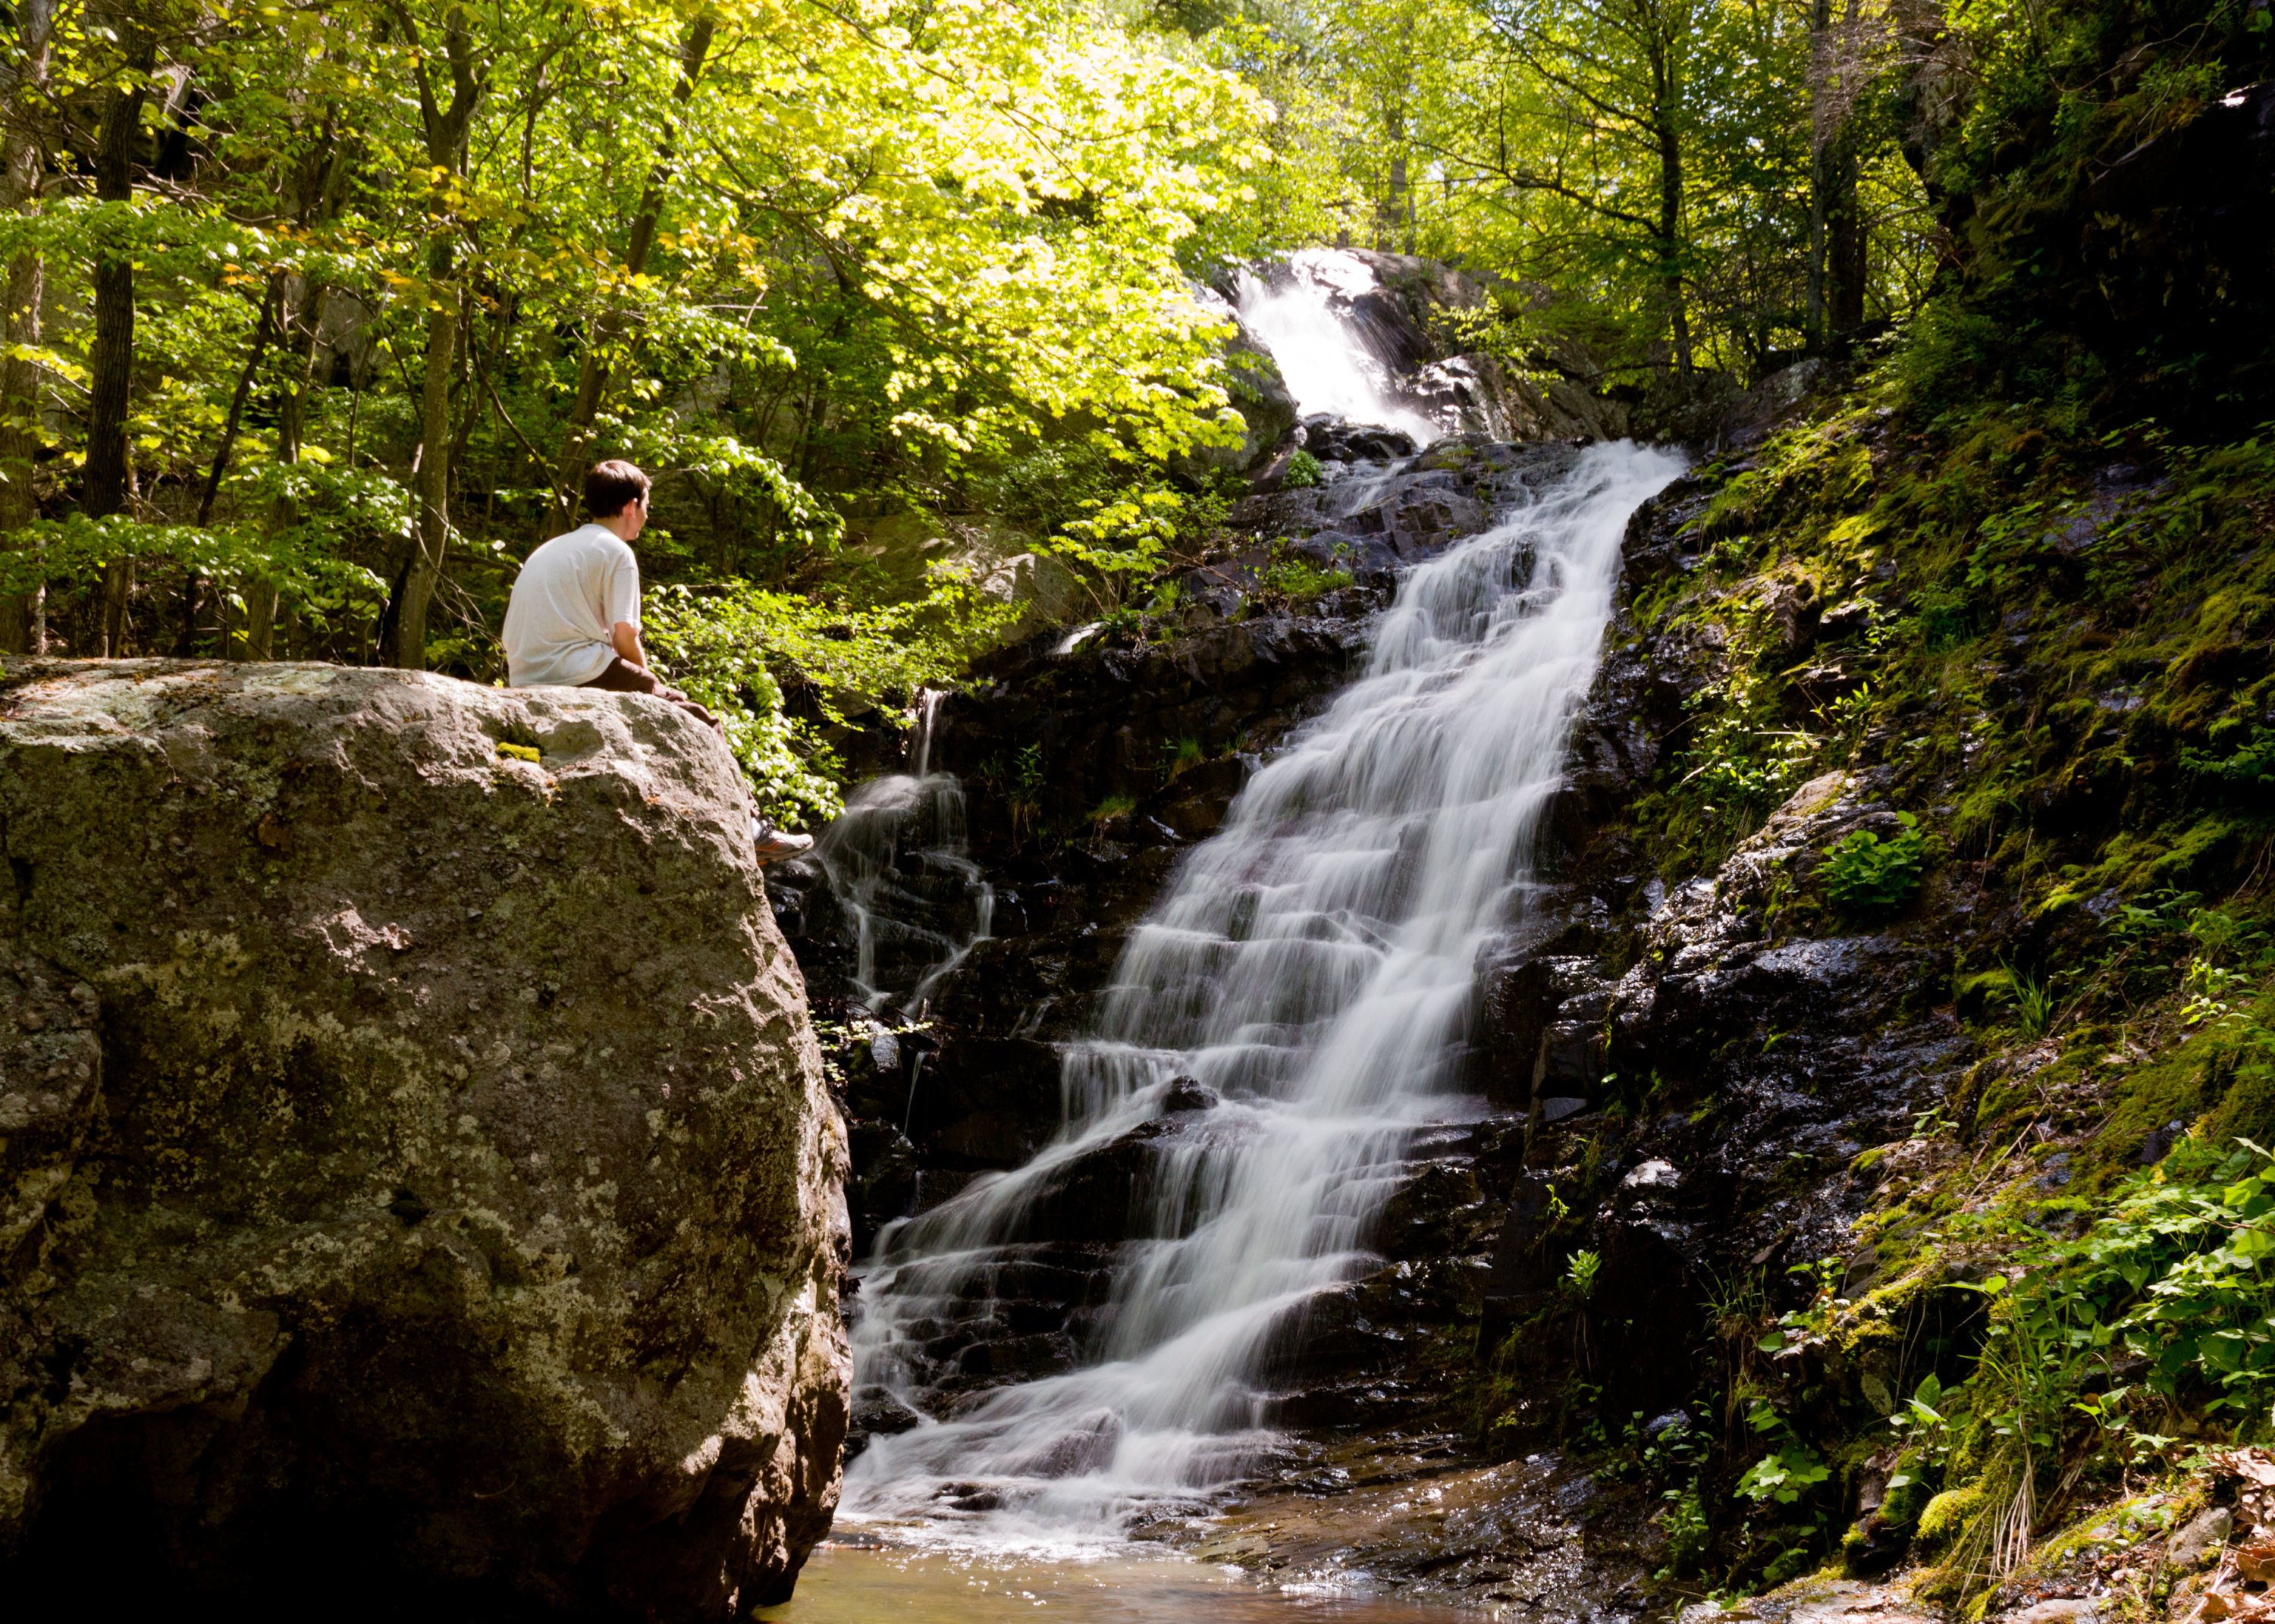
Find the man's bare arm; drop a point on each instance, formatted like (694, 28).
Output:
(625, 636)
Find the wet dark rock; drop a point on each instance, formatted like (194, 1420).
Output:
(1335, 440)
(1258, 393)
(1097, 1198)
(2185, 212)
(984, 1101)
(2159, 1143)
(1733, 424)
(1372, 518)
(1019, 1357)
(878, 1414)
(1186, 1094)
(1085, 1447)
(1336, 1333)
(1778, 1056)
(1876, 1546)
(1429, 1213)
(1033, 1310)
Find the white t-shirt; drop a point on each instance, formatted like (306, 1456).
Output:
(565, 605)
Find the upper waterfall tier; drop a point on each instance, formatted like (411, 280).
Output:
(1300, 310)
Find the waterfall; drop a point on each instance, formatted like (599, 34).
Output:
(1301, 322)
(897, 863)
(1312, 968)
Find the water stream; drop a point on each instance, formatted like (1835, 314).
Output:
(1311, 967)
(854, 1583)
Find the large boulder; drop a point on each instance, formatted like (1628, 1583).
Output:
(417, 1165)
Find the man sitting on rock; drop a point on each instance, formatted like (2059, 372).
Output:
(573, 621)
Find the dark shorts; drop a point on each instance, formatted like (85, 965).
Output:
(622, 676)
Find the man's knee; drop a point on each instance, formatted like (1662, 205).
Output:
(622, 676)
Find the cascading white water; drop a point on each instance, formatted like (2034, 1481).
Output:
(1324, 369)
(896, 861)
(1311, 963)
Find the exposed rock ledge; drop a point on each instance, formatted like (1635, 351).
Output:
(413, 1160)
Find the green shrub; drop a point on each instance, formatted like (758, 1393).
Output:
(1946, 617)
(2034, 1004)
(1580, 1274)
(731, 646)
(2250, 765)
(1178, 754)
(1864, 874)
(1303, 471)
(2170, 1275)
(1292, 576)
(1688, 1534)
(1789, 1471)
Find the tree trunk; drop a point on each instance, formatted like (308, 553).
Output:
(1848, 270)
(23, 620)
(19, 404)
(193, 588)
(1820, 137)
(110, 363)
(259, 589)
(110, 360)
(260, 594)
(1661, 25)
(1393, 225)
(264, 328)
(1670, 239)
(446, 129)
(432, 529)
(1845, 249)
(592, 368)
(1391, 204)
(299, 315)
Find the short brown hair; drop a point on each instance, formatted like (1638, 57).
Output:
(613, 486)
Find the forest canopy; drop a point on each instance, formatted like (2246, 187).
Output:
(315, 311)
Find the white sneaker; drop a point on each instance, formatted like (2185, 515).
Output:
(773, 845)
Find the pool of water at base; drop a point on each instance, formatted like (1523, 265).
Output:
(863, 1584)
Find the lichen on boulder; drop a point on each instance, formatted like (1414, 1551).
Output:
(414, 1158)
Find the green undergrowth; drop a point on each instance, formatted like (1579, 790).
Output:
(726, 644)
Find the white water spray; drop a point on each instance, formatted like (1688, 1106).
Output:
(1301, 323)
(1312, 964)
(895, 859)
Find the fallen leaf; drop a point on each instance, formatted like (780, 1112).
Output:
(2256, 1464)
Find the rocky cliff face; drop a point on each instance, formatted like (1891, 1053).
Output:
(416, 1158)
